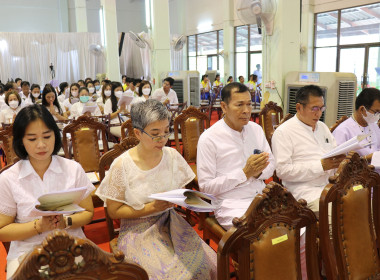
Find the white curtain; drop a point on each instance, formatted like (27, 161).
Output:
(29, 55)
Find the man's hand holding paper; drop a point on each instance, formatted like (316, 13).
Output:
(332, 162)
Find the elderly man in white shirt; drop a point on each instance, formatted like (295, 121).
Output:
(363, 121)
(298, 146)
(166, 94)
(233, 156)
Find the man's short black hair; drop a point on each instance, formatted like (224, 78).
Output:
(8, 86)
(226, 91)
(302, 95)
(24, 118)
(367, 97)
(18, 79)
(170, 80)
(25, 83)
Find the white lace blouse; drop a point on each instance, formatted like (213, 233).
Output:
(127, 183)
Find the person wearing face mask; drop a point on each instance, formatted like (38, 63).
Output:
(73, 97)
(363, 121)
(98, 87)
(84, 98)
(105, 93)
(13, 100)
(64, 91)
(145, 90)
(36, 93)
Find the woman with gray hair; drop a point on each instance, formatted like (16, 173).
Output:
(152, 234)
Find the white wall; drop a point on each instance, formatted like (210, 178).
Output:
(34, 16)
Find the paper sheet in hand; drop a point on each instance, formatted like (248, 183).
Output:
(93, 176)
(125, 99)
(89, 107)
(189, 199)
(355, 143)
(64, 202)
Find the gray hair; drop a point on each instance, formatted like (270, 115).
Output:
(144, 113)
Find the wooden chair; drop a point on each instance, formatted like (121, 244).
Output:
(175, 112)
(127, 129)
(338, 122)
(6, 140)
(354, 194)
(56, 257)
(84, 138)
(265, 242)
(269, 117)
(104, 164)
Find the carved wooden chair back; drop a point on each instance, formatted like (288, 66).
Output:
(56, 257)
(269, 117)
(354, 194)
(127, 129)
(84, 138)
(6, 139)
(338, 122)
(192, 122)
(266, 240)
(104, 164)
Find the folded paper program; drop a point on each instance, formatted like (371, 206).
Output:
(355, 143)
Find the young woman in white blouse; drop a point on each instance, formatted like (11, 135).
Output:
(144, 92)
(84, 98)
(36, 141)
(36, 94)
(8, 115)
(104, 96)
(50, 101)
(73, 97)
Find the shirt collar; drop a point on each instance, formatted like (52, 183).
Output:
(233, 131)
(27, 169)
(308, 127)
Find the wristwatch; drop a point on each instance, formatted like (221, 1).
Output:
(68, 221)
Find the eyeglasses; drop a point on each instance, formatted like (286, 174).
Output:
(159, 137)
(316, 109)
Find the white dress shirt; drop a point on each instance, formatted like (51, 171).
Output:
(77, 109)
(25, 100)
(298, 151)
(160, 95)
(21, 186)
(138, 99)
(221, 156)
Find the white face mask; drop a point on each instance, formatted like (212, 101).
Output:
(107, 93)
(13, 104)
(371, 118)
(35, 95)
(146, 91)
(91, 90)
(118, 93)
(74, 93)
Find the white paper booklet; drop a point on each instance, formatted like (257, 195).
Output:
(56, 203)
(89, 107)
(189, 199)
(125, 99)
(93, 176)
(355, 143)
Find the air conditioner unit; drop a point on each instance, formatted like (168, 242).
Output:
(186, 85)
(339, 90)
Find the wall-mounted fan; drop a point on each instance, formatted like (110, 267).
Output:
(179, 42)
(137, 40)
(257, 11)
(95, 49)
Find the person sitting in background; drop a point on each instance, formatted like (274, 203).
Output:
(230, 80)
(105, 93)
(98, 87)
(252, 82)
(241, 79)
(11, 86)
(299, 144)
(91, 89)
(363, 121)
(166, 94)
(87, 80)
(36, 141)
(144, 92)
(152, 234)
(81, 83)
(36, 94)
(84, 99)
(205, 88)
(17, 86)
(124, 82)
(2, 97)
(217, 81)
(137, 86)
(131, 88)
(50, 101)
(73, 97)
(233, 156)
(25, 94)
(8, 115)
(64, 92)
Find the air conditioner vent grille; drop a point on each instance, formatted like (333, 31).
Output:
(345, 96)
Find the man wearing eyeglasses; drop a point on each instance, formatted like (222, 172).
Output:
(299, 144)
(363, 121)
(233, 156)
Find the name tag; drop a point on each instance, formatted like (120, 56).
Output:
(358, 187)
(85, 128)
(279, 239)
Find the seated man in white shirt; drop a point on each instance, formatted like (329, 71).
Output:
(166, 94)
(233, 156)
(363, 121)
(25, 94)
(298, 146)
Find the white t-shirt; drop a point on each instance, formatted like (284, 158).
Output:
(6, 115)
(160, 95)
(21, 186)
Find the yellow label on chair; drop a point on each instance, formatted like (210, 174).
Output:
(358, 187)
(85, 128)
(279, 239)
